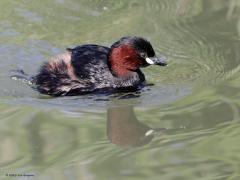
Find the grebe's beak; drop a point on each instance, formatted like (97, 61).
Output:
(161, 61)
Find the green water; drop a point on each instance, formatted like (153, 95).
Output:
(184, 127)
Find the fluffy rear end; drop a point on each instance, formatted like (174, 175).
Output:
(53, 79)
(57, 78)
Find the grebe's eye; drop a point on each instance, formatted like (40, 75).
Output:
(143, 55)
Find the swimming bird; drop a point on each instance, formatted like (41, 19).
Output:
(94, 68)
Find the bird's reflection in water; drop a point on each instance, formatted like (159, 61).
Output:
(124, 129)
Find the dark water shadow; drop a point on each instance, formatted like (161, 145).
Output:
(125, 130)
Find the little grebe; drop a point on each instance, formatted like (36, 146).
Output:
(94, 68)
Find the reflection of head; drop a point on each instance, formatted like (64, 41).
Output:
(125, 130)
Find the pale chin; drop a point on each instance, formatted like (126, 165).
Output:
(149, 61)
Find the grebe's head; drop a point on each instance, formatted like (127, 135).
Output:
(131, 53)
